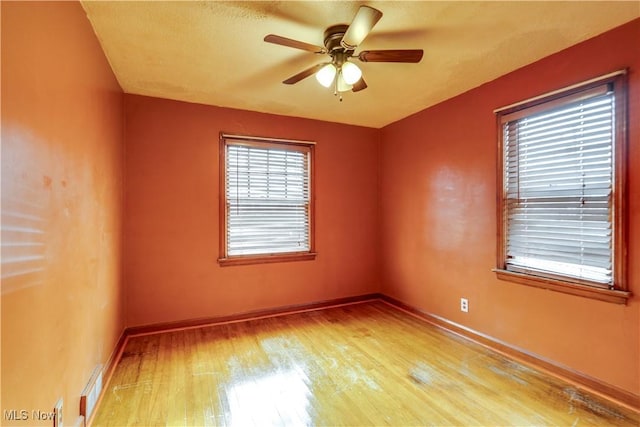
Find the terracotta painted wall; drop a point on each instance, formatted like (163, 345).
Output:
(62, 124)
(437, 197)
(171, 214)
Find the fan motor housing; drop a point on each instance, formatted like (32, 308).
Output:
(333, 35)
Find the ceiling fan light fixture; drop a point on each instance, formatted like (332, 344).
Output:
(342, 85)
(340, 44)
(326, 75)
(351, 73)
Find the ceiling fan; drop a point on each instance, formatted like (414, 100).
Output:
(340, 43)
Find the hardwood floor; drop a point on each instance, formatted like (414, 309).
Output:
(360, 364)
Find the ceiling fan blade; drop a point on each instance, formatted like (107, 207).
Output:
(360, 27)
(359, 85)
(399, 55)
(304, 74)
(272, 38)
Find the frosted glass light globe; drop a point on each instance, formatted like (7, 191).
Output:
(326, 74)
(351, 72)
(343, 86)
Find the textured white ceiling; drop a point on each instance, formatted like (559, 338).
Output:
(212, 52)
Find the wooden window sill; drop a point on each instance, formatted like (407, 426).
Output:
(608, 295)
(265, 259)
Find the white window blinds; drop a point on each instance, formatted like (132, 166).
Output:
(267, 198)
(558, 180)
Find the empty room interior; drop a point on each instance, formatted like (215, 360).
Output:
(320, 213)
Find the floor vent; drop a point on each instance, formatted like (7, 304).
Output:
(91, 393)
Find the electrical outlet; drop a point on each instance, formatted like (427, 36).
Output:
(57, 414)
(464, 305)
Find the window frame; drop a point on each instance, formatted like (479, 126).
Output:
(263, 142)
(618, 292)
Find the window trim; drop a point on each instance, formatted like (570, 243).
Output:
(255, 141)
(619, 292)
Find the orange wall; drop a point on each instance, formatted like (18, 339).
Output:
(62, 124)
(437, 199)
(172, 219)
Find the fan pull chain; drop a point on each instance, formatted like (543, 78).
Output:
(335, 86)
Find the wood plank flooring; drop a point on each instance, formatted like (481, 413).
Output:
(360, 364)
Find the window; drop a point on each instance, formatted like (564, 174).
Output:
(562, 188)
(266, 200)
